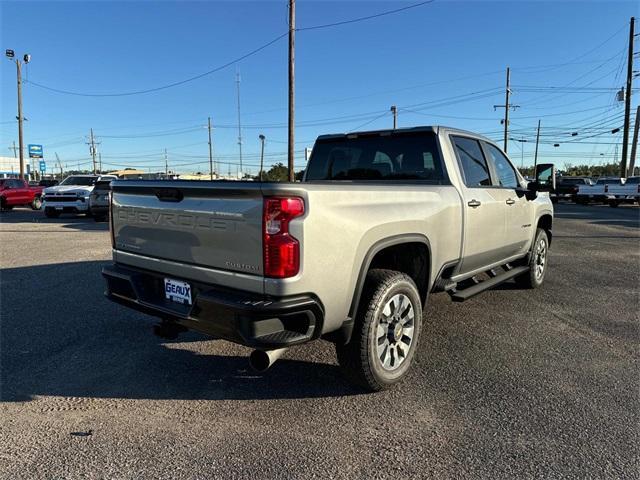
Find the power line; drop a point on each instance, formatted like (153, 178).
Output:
(361, 19)
(164, 87)
(226, 65)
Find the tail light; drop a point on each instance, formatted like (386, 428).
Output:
(280, 251)
(111, 232)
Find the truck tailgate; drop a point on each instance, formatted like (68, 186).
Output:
(210, 224)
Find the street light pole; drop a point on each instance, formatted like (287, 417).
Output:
(26, 58)
(20, 137)
(261, 137)
(210, 150)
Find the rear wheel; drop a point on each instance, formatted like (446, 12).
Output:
(386, 331)
(36, 204)
(614, 203)
(537, 262)
(51, 213)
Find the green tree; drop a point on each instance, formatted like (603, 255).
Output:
(278, 173)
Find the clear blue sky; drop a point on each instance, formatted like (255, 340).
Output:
(346, 75)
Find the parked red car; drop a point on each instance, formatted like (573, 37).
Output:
(15, 192)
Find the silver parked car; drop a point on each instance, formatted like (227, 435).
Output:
(99, 200)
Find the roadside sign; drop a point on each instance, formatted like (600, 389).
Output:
(35, 151)
(43, 166)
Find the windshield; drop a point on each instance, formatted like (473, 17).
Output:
(403, 156)
(78, 180)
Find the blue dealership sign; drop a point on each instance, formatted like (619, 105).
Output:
(43, 166)
(35, 151)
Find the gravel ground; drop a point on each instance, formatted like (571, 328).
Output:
(510, 384)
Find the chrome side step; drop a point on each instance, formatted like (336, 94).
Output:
(467, 293)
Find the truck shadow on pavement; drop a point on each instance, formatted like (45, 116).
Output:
(61, 337)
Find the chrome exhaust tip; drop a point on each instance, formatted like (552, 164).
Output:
(262, 360)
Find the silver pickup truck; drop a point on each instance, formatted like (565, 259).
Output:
(350, 255)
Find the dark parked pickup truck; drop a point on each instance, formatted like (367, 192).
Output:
(15, 192)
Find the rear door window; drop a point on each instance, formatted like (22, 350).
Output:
(505, 172)
(472, 162)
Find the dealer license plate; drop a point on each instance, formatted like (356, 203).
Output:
(177, 291)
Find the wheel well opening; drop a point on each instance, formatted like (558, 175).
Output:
(546, 222)
(410, 258)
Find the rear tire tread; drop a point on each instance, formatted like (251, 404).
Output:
(353, 357)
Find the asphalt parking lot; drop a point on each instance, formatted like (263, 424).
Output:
(510, 384)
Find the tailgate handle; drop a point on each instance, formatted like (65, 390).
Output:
(168, 194)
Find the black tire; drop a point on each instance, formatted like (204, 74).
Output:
(3, 205)
(359, 359)
(36, 204)
(51, 213)
(614, 203)
(533, 278)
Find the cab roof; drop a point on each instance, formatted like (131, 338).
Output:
(390, 131)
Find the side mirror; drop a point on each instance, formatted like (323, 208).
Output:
(545, 177)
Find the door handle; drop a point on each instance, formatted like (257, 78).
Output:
(510, 201)
(474, 203)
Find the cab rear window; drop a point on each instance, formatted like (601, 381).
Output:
(403, 156)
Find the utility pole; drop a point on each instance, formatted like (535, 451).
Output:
(92, 150)
(535, 157)
(210, 150)
(15, 150)
(100, 162)
(262, 138)
(59, 165)
(627, 102)
(507, 106)
(634, 144)
(292, 39)
(239, 124)
(166, 165)
(506, 111)
(394, 111)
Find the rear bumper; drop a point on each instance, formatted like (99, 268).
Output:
(99, 209)
(257, 321)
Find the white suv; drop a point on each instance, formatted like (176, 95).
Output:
(71, 195)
